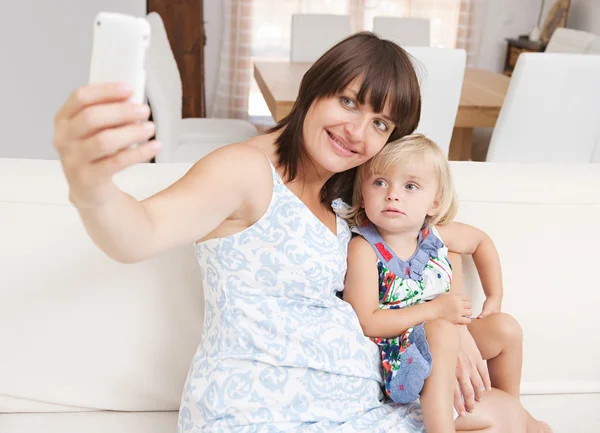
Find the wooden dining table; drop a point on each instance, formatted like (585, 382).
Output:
(482, 96)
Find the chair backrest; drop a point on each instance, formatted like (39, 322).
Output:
(565, 40)
(550, 113)
(313, 34)
(441, 72)
(412, 32)
(163, 86)
(594, 46)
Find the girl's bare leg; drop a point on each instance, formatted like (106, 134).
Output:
(499, 338)
(496, 412)
(438, 391)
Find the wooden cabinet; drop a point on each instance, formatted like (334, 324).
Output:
(185, 28)
(517, 46)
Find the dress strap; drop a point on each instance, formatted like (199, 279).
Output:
(276, 178)
(428, 245)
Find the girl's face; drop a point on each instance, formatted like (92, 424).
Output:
(340, 134)
(400, 200)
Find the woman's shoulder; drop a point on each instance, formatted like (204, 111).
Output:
(240, 162)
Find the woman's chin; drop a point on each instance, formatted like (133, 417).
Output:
(337, 164)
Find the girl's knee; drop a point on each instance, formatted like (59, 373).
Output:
(507, 327)
(442, 333)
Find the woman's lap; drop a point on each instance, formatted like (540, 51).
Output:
(382, 419)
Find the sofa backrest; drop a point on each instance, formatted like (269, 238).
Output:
(79, 331)
(76, 328)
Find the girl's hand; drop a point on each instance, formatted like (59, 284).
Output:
(492, 304)
(93, 134)
(453, 307)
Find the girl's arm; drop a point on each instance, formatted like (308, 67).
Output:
(362, 292)
(457, 276)
(465, 239)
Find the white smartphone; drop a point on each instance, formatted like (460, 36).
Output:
(119, 51)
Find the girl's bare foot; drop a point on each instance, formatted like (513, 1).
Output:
(535, 426)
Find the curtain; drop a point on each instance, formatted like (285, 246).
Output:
(231, 97)
(260, 30)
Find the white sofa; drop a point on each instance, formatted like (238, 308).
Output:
(88, 345)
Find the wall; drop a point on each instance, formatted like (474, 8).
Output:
(585, 15)
(45, 50)
(46, 55)
(496, 20)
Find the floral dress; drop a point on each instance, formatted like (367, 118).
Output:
(280, 351)
(406, 359)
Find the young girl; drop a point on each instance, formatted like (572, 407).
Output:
(404, 202)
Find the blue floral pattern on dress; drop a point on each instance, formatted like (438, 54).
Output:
(280, 351)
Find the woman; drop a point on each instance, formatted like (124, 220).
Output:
(280, 351)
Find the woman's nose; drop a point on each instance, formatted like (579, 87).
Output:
(357, 129)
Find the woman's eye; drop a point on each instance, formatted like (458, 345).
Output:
(347, 102)
(382, 126)
(380, 183)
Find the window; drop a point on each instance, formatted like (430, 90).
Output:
(272, 26)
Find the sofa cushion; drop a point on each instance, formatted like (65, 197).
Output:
(79, 331)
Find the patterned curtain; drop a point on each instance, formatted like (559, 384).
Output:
(231, 98)
(465, 34)
(260, 30)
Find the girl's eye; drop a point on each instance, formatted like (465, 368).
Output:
(382, 126)
(411, 186)
(380, 183)
(347, 102)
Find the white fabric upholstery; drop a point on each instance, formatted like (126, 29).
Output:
(441, 72)
(164, 91)
(313, 34)
(214, 133)
(90, 422)
(565, 40)
(550, 113)
(403, 31)
(80, 332)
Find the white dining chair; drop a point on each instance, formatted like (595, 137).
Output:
(565, 40)
(404, 31)
(182, 139)
(594, 46)
(550, 113)
(441, 73)
(313, 34)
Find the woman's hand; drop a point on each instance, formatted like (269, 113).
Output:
(93, 134)
(471, 373)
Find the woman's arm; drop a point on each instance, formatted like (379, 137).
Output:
(471, 370)
(465, 239)
(362, 292)
(93, 134)
(216, 188)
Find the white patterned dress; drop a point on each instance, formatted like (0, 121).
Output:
(280, 352)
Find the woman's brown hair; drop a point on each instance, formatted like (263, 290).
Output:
(386, 72)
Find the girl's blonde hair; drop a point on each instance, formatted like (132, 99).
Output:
(396, 152)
